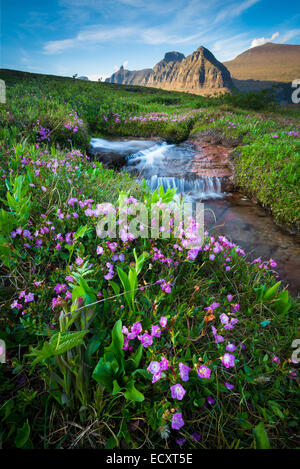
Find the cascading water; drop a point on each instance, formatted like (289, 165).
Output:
(125, 146)
(233, 216)
(171, 166)
(204, 188)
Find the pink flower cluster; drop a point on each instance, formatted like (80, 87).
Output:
(146, 339)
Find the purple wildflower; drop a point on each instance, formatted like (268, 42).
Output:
(229, 386)
(164, 364)
(29, 297)
(100, 250)
(204, 372)
(228, 360)
(155, 331)
(154, 367)
(177, 391)
(210, 400)
(275, 359)
(146, 340)
(196, 436)
(184, 371)
(230, 347)
(163, 321)
(177, 421)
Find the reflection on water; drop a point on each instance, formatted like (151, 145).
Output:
(253, 229)
(231, 215)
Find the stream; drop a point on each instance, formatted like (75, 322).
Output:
(203, 177)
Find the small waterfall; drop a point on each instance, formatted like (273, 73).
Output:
(147, 157)
(204, 188)
(162, 164)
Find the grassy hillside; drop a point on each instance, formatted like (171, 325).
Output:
(134, 342)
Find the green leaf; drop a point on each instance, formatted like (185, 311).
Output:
(282, 303)
(111, 443)
(126, 285)
(62, 342)
(105, 372)
(132, 394)
(115, 287)
(93, 345)
(22, 436)
(81, 232)
(59, 343)
(270, 294)
(116, 387)
(261, 437)
(112, 364)
(135, 359)
(117, 342)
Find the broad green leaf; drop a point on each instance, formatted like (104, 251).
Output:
(22, 436)
(261, 437)
(58, 344)
(132, 394)
(81, 232)
(271, 292)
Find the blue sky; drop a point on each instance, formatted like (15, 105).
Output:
(94, 37)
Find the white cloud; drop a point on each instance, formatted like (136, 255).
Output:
(263, 40)
(53, 47)
(289, 35)
(125, 63)
(227, 49)
(234, 9)
(95, 77)
(95, 34)
(192, 22)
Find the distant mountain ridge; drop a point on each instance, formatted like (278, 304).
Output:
(269, 62)
(130, 77)
(199, 73)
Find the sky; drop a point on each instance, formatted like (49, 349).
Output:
(95, 37)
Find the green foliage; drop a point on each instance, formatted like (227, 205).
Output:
(19, 203)
(250, 100)
(114, 372)
(261, 437)
(278, 300)
(60, 343)
(130, 281)
(269, 169)
(70, 380)
(22, 436)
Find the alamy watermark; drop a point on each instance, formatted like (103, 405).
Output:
(296, 93)
(132, 220)
(2, 351)
(296, 354)
(2, 92)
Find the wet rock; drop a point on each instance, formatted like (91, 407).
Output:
(110, 160)
(113, 153)
(211, 160)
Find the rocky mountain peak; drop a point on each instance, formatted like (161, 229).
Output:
(199, 73)
(173, 57)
